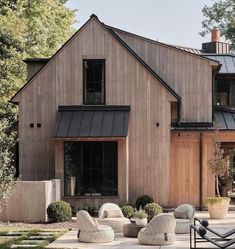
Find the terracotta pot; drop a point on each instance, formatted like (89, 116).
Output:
(141, 222)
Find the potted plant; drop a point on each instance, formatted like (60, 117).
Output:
(140, 217)
(218, 165)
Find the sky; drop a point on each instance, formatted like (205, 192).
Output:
(175, 22)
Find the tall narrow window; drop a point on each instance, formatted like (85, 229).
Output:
(94, 82)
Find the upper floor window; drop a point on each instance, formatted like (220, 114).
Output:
(94, 82)
(225, 92)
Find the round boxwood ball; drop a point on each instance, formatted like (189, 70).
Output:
(152, 209)
(143, 200)
(128, 211)
(59, 211)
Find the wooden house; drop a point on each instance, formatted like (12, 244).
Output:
(115, 115)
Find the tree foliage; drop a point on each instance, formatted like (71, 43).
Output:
(218, 165)
(28, 28)
(220, 15)
(35, 28)
(7, 170)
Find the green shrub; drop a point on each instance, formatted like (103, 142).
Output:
(142, 201)
(90, 209)
(59, 211)
(152, 209)
(141, 214)
(128, 211)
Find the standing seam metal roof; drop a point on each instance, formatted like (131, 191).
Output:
(226, 60)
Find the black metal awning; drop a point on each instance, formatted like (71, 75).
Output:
(224, 118)
(92, 121)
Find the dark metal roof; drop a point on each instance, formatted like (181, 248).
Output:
(226, 60)
(224, 118)
(92, 121)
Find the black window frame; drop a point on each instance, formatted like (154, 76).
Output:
(81, 144)
(84, 83)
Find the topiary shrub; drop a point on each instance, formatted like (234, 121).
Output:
(128, 211)
(59, 211)
(142, 201)
(152, 209)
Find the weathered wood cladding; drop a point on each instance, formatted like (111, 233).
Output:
(185, 165)
(122, 172)
(188, 74)
(127, 83)
(33, 67)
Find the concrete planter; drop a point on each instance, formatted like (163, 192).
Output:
(218, 209)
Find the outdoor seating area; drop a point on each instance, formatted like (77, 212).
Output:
(69, 240)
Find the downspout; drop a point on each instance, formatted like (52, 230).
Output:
(214, 72)
(201, 172)
(178, 112)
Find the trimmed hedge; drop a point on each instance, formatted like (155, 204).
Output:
(59, 211)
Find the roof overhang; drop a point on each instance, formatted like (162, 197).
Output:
(92, 122)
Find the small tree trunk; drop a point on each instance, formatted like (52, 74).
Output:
(217, 185)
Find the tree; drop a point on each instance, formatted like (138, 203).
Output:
(220, 15)
(28, 29)
(218, 164)
(7, 170)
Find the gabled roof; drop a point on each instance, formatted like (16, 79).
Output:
(194, 52)
(113, 34)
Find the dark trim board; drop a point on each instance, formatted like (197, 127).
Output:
(94, 108)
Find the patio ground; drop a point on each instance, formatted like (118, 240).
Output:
(69, 241)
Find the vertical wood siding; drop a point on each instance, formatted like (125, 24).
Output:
(127, 83)
(188, 74)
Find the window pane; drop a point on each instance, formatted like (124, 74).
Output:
(94, 81)
(222, 95)
(90, 168)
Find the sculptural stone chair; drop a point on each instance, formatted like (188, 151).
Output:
(159, 231)
(88, 231)
(184, 215)
(110, 214)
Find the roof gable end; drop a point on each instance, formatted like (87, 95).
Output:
(15, 98)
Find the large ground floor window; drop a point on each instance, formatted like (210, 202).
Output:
(90, 168)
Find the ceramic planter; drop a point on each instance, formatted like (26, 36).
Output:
(141, 222)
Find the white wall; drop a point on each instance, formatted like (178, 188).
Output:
(30, 199)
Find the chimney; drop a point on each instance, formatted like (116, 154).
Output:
(215, 46)
(215, 35)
